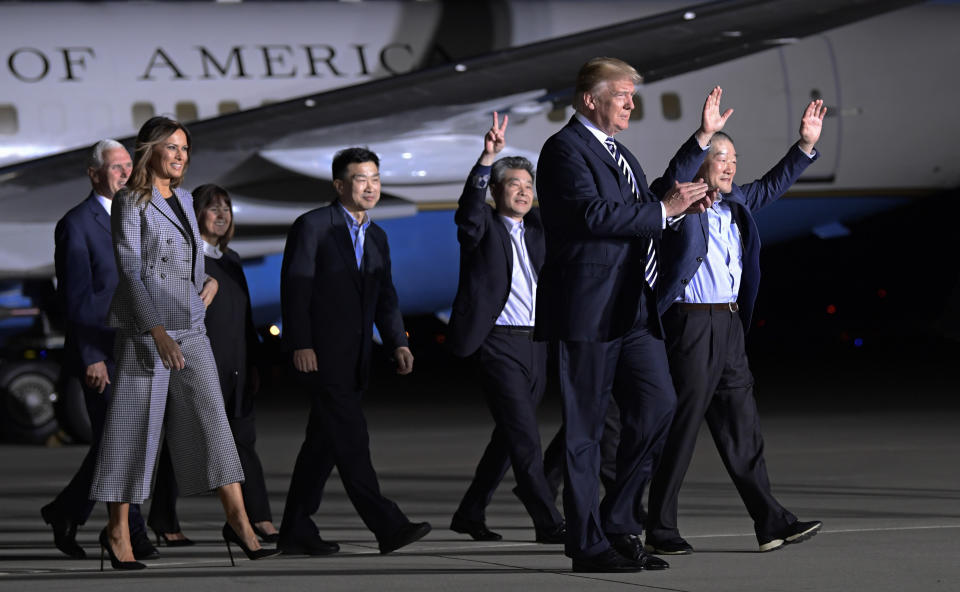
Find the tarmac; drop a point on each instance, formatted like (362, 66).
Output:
(871, 454)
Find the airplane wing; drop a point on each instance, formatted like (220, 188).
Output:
(659, 46)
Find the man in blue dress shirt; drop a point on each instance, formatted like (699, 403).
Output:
(711, 272)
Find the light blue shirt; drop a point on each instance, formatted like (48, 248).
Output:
(357, 233)
(601, 137)
(717, 280)
(520, 309)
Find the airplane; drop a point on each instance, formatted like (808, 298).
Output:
(271, 90)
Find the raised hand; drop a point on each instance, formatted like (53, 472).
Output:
(494, 140)
(712, 121)
(811, 125)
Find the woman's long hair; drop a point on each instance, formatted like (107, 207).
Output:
(153, 133)
(208, 194)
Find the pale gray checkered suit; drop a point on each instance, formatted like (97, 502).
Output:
(158, 287)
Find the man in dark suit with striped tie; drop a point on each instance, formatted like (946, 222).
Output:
(596, 299)
(710, 283)
(501, 253)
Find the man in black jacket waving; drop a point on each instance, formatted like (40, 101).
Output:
(501, 253)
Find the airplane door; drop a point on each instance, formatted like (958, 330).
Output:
(812, 74)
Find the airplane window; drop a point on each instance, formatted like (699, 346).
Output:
(9, 124)
(670, 102)
(186, 111)
(558, 114)
(227, 107)
(637, 112)
(141, 113)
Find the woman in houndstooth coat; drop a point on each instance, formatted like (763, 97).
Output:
(166, 376)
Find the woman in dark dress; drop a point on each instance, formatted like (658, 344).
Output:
(235, 343)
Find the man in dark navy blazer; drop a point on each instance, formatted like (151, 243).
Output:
(596, 300)
(335, 284)
(501, 253)
(710, 279)
(86, 279)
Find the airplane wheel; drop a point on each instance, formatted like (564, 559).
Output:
(27, 394)
(71, 409)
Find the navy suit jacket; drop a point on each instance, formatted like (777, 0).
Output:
(486, 263)
(596, 235)
(330, 305)
(685, 248)
(86, 280)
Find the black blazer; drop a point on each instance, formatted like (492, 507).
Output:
(86, 280)
(329, 305)
(596, 234)
(486, 263)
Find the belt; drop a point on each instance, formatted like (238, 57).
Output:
(513, 330)
(715, 307)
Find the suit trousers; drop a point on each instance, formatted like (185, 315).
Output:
(163, 507)
(633, 370)
(74, 503)
(149, 397)
(513, 376)
(713, 382)
(336, 435)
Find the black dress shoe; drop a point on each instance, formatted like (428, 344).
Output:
(608, 561)
(478, 531)
(114, 562)
(313, 546)
(408, 533)
(553, 536)
(64, 533)
(676, 546)
(795, 533)
(267, 538)
(629, 546)
(142, 548)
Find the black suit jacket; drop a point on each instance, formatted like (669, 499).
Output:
(486, 263)
(596, 235)
(86, 280)
(331, 306)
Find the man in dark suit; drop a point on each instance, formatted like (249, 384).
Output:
(597, 300)
(710, 279)
(501, 253)
(86, 279)
(335, 284)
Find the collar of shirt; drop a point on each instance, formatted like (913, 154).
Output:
(352, 222)
(597, 132)
(106, 203)
(212, 251)
(511, 224)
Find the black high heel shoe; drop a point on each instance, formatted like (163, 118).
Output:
(163, 540)
(230, 536)
(114, 562)
(267, 538)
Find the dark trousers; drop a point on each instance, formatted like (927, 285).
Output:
(74, 503)
(713, 382)
(512, 370)
(555, 454)
(633, 370)
(163, 507)
(337, 436)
